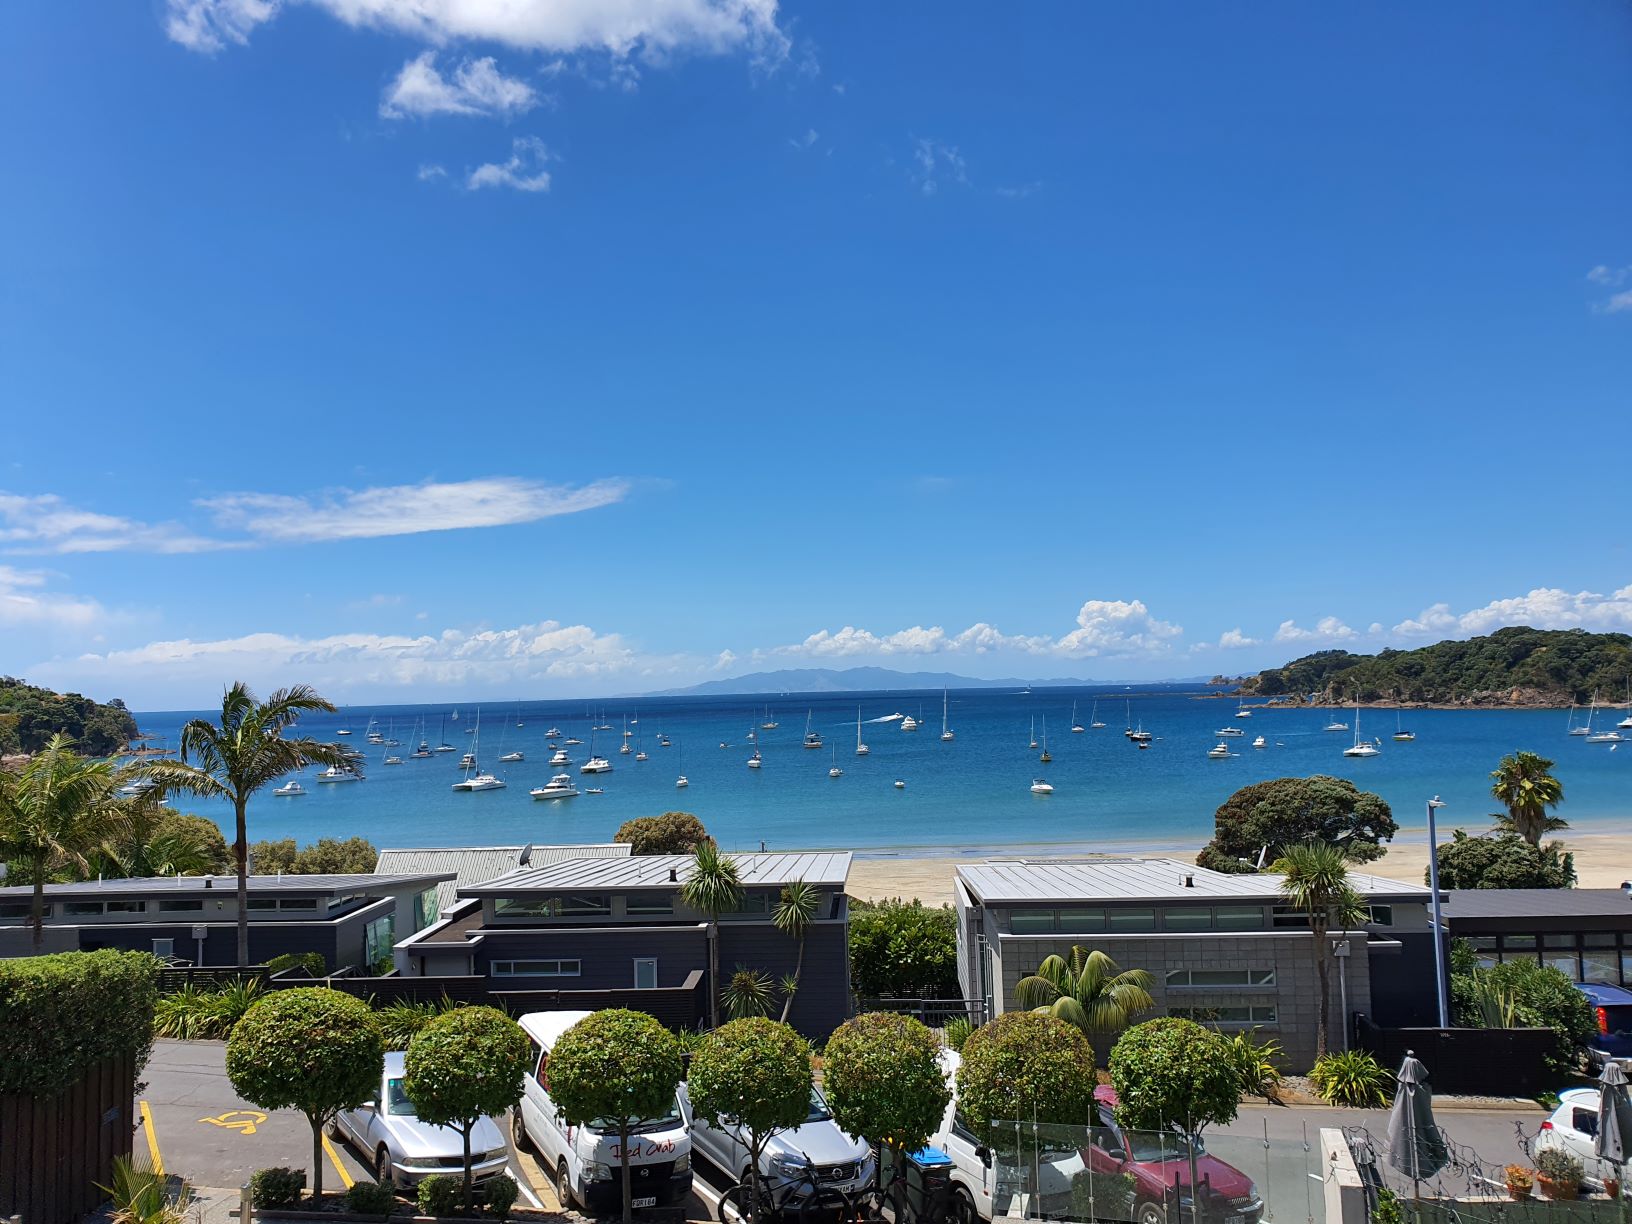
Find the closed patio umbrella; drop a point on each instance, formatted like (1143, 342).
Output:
(1614, 1116)
(1415, 1146)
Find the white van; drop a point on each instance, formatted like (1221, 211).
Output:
(585, 1159)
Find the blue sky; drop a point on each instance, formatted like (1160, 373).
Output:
(483, 349)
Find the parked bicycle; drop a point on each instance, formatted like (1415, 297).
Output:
(804, 1201)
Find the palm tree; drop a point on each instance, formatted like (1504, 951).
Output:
(795, 910)
(1524, 784)
(1090, 990)
(246, 752)
(1316, 881)
(54, 815)
(712, 888)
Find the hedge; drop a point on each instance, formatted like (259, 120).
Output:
(68, 1011)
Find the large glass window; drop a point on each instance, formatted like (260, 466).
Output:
(378, 938)
(535, 968)
(81, 909)
(1244, 978)
(585, 905)
(426, 909)
(1139, 919)
(127, 907)
(183, 905)
(1188, 919)
(1232, 1013)
(1238, 917)
(655, 904)
(1075, 920)
(1030, 922)
(1565, 962)
(1600, 966)
(20, 909)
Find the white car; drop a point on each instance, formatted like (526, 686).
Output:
(841, 1161)
(1573, 1128)
(402, 1150)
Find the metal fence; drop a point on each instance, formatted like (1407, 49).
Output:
(933, 1012)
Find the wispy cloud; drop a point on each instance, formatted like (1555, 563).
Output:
(810, 137)
(1607, 277)
(1328, 629)
(347, 514)
(430, 171)
(475, 87)
(24, 601)
(934, 163)
(1103, 628)
(1020, 192)
(45, 523)
(524, 170)
(652, 29)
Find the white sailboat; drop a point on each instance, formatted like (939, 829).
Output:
(770, 724)
(813, 739)
(1076, 727)
(1570, 727)
(1034, 731)
(1359, 748)
(1400, 733)
(1093, 718)
(1586, 727)
(861, 748)
(1045, 758)
(682, 781)
(1627, 721)
(834, 771)
(1241, 710)
(946, 732)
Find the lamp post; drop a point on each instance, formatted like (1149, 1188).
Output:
(1440, 994)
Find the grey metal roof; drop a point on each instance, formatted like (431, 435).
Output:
(477, 864)
(1537, 903)
(1016, 881)
(187, 886)
(652, 871)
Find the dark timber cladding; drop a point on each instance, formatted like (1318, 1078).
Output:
(54, 1150)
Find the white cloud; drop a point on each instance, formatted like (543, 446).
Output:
(934, 163)
(724, 660)
(653, 29)
(347, 514)
(25, 601)
(524, 170)
(1611, 277)
(804, 142)
(1022, 191)
(1327, 629)
(476, 87)
(1619, 302)
(1542, 608)
(430, 170)
(1234, 639)
(45, 523)
(1104, 628)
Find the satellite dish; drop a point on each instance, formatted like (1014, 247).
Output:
(526, 856)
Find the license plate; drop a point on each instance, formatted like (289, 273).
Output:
(651, 1201)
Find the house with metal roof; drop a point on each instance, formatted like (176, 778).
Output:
(601, 924)
(478, 864)
(353, 920)
(1585, 932)
(1223, 949)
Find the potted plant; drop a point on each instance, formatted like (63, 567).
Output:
(1520, 1181)
(1612, 1187)
(1558, 1174)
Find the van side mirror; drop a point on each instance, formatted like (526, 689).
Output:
(984, 1154)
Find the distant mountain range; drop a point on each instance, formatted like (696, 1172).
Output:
(852, 680)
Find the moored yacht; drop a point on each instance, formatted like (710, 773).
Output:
(560, 758)
(513, 756)
(480, 782)
(813, 738)
(1076, 727)
(558, 787)
(1260, 742)
(553, 733)
(909, 723)
(468, 761)
(290, 788)
(1229, 731)
(339, 773)
(1041, 786)
(596, 764)
(1220, 752)
(1605, 737)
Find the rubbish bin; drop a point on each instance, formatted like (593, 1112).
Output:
(929, 1184)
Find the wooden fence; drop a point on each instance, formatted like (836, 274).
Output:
(205, 977)
(54, 1151)
(1482, 1061)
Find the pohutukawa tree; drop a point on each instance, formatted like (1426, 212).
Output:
(249, 749)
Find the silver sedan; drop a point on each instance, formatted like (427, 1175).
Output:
(402, 1150)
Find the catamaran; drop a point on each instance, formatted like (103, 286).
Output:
(1359, 748)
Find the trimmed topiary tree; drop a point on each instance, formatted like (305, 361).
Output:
(756, 1073)
(1168, 1072)
(618, 1066)
(463, 1066)
(883, 1081)
(318, 1051)
(1028, 1066)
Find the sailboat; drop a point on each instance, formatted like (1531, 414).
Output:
(1093, 718)
(1076, 727)
(1586, 727)
(1359, 748)
(770, 724)
(1337, 724)
(625, 750)
(861, 748)
(640, 751)
(946, 732)
(1627, 721)
(1034, 730)
(813, 739)
(682, 781)
(478, 781)
(1400, 733)
(1045, 758)
(835, 771)
(1241, 710)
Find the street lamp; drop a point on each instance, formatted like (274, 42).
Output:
(1440, 993)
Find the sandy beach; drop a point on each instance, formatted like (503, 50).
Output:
(1602, 860)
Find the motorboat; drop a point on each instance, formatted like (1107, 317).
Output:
(641, 755)
(339, 773)
(1221, 752)
(512, 756)
(946, 732)
(596, 764)
(290, 789)
(813, 738)
(1140, 736)
(1606, 737)
(138, 788)
(1144, 743)
(594, 790)
(909, 723)
(480, 782)
(343, 731)
(553, 733)
(572, 739)
(558, 787)
(1041, 787)
(468, 761)
(900, 785)
(753, 761)
(662, 741)
(393, 759)
(560, 757)
(682, 782)
(1229, 731)
(1260, 742)
(1076, 727)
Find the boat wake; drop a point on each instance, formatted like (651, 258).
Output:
(887, 718)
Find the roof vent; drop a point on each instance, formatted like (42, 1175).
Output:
(209, 881)
(1189, 880)
(674, 875)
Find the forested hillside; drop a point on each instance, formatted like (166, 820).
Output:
(29, 716)
(1516, 666)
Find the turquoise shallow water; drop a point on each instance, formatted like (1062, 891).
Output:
(972, 793)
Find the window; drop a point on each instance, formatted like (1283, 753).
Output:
(378, 936)
(1382, 915)
(1256, 1013)
(1598, 939)
(1075, 920)
(1585, 1121)
(1286, 916)
(426, 909)
(81, 909)
(1029, 922)
(127, 907)
(1558, 941)
(646, 973)
(1238, 917)
(645, 903)
(1518, 942)
(535, 968)
(1600, 967)
(1564, 962)
(20, 909)
(754, 903)
(1143, 919)
(1187, 919)
(263, 904)
(182, 905)
(588, 905)
(164, 949)
(1221, 977)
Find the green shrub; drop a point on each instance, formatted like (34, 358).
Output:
(1352, 1078)
(401, 1021)
(956, 1031)
(1103, 1196)
(900, 948)
(141, 1196)
(371, 1198)
(1026, 1065)
(499, 1194)
(1541, 997)
(278, 1188)
(192, 1014)
(1560, 1166)
(1388, 1209)
(1255, 1063)
(312, 962)
(1169, 1069)
(69, 1011)
(439, 1195)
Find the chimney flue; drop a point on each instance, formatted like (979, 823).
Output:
(674, 875)
(1189, 880)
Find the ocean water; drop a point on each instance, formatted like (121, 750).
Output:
(970, 794)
